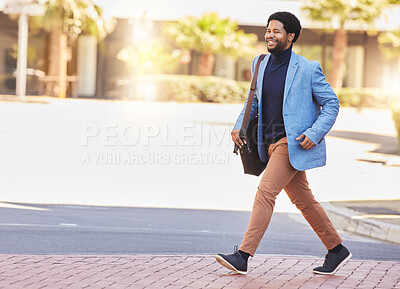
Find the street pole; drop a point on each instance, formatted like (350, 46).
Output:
(22, 54)
(62, 72)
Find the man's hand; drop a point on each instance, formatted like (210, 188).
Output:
(306, 143)
(236, 138)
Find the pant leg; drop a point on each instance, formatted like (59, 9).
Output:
(276, 176)
(301, 195)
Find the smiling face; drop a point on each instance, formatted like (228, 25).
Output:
(276, 37)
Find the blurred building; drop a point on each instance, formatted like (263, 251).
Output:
(366, 65)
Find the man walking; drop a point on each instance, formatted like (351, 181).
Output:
(296, 108)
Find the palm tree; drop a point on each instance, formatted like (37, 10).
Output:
(342, 14)
(210, 35)
(65, 21)
(389, 43)
(150, 57)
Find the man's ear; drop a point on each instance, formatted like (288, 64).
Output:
(291, 36)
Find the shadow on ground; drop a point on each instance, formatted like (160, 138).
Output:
(386, 144)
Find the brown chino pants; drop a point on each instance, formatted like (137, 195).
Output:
(279, 175)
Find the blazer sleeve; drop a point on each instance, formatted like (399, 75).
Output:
(254, 105)
(329, 103)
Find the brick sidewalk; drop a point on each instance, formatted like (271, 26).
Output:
(188, 271)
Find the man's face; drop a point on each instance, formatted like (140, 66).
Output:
(276, 37)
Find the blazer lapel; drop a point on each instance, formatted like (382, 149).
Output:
(260, 78)
(292, 68)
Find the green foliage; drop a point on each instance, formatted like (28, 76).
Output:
(74, 17)
(396, 117)
(389, 43)
(366, 97)
(188, 88)
(150, 57)
(31, 53)
(211, 34)
(344, 11)
(209, 89)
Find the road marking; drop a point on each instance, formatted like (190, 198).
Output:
(29, 225)
(21, 207)
(135, 229)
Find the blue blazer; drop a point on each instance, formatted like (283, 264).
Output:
(310, 107)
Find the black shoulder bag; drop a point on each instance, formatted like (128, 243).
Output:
(251, 161)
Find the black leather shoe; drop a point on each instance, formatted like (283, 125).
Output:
(333, 262)
(234, 262)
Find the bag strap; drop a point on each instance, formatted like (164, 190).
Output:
(246, 117)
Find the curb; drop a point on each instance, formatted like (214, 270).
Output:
(351, 221)
(26, 99)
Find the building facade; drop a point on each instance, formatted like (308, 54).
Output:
(366, 65)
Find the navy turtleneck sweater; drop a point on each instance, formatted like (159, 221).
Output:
(272, 96)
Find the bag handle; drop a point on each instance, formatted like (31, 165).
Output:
(246, 117)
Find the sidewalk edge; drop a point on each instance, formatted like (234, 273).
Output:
(350, 221)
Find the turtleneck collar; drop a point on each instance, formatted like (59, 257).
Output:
(282, 57)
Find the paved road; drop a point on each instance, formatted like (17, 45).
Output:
(71, 229)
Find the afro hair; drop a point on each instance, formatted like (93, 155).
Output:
(290, 23)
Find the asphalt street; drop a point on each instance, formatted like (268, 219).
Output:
(74, 229)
